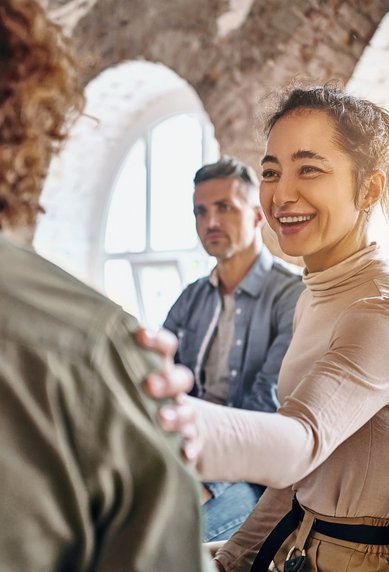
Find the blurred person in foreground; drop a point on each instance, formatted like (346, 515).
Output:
(89, 481)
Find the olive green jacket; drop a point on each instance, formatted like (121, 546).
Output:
(88, 481)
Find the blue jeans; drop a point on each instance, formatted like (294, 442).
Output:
(223, 514)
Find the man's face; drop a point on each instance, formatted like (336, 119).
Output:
(226, 221)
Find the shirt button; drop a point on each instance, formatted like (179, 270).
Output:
(233, 373)
(230, 404)
(238, 342)
(238, 311)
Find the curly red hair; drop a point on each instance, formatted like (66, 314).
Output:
(40, 95)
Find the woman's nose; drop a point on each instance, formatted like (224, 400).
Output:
(286, 191)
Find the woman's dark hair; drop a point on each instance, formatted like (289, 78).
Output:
(362, 127)
(39, 93)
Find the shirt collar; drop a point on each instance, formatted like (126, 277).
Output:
(253, 281)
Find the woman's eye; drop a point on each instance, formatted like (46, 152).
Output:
(309, 170)
(269, 174)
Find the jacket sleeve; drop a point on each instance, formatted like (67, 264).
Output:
(263, 393)
(174, 317)
(133, 468)
(176, 320)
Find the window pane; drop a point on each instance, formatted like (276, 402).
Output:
(119, 285)
(126, 224)
(160, 285)
(176, 154)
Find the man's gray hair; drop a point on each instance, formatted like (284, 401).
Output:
(227, 167)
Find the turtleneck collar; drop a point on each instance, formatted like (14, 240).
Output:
(361, 267)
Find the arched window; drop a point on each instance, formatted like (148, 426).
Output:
(122, 217)
(151, 248)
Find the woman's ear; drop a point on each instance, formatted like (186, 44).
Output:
(260, 217)
(373, 190)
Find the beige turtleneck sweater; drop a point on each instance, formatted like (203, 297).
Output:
(329, 440)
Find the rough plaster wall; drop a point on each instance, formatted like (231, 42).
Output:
(271, 43)
(232, 52)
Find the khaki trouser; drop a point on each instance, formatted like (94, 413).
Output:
(325, 554)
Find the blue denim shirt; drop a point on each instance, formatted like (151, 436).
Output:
(264, 308)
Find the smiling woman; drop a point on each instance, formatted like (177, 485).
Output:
(324, 170)
(309, 193)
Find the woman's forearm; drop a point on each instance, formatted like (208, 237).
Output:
(251, 445)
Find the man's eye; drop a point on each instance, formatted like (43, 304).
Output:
(224, 207)
(198, 212)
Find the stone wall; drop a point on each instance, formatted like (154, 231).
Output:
(233, 52)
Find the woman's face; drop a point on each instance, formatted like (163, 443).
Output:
(308, 191)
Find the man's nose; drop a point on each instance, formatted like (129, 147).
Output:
(213, 219)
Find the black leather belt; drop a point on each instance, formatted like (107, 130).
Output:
(358, 533)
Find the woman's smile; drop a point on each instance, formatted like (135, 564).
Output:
(290, 223)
